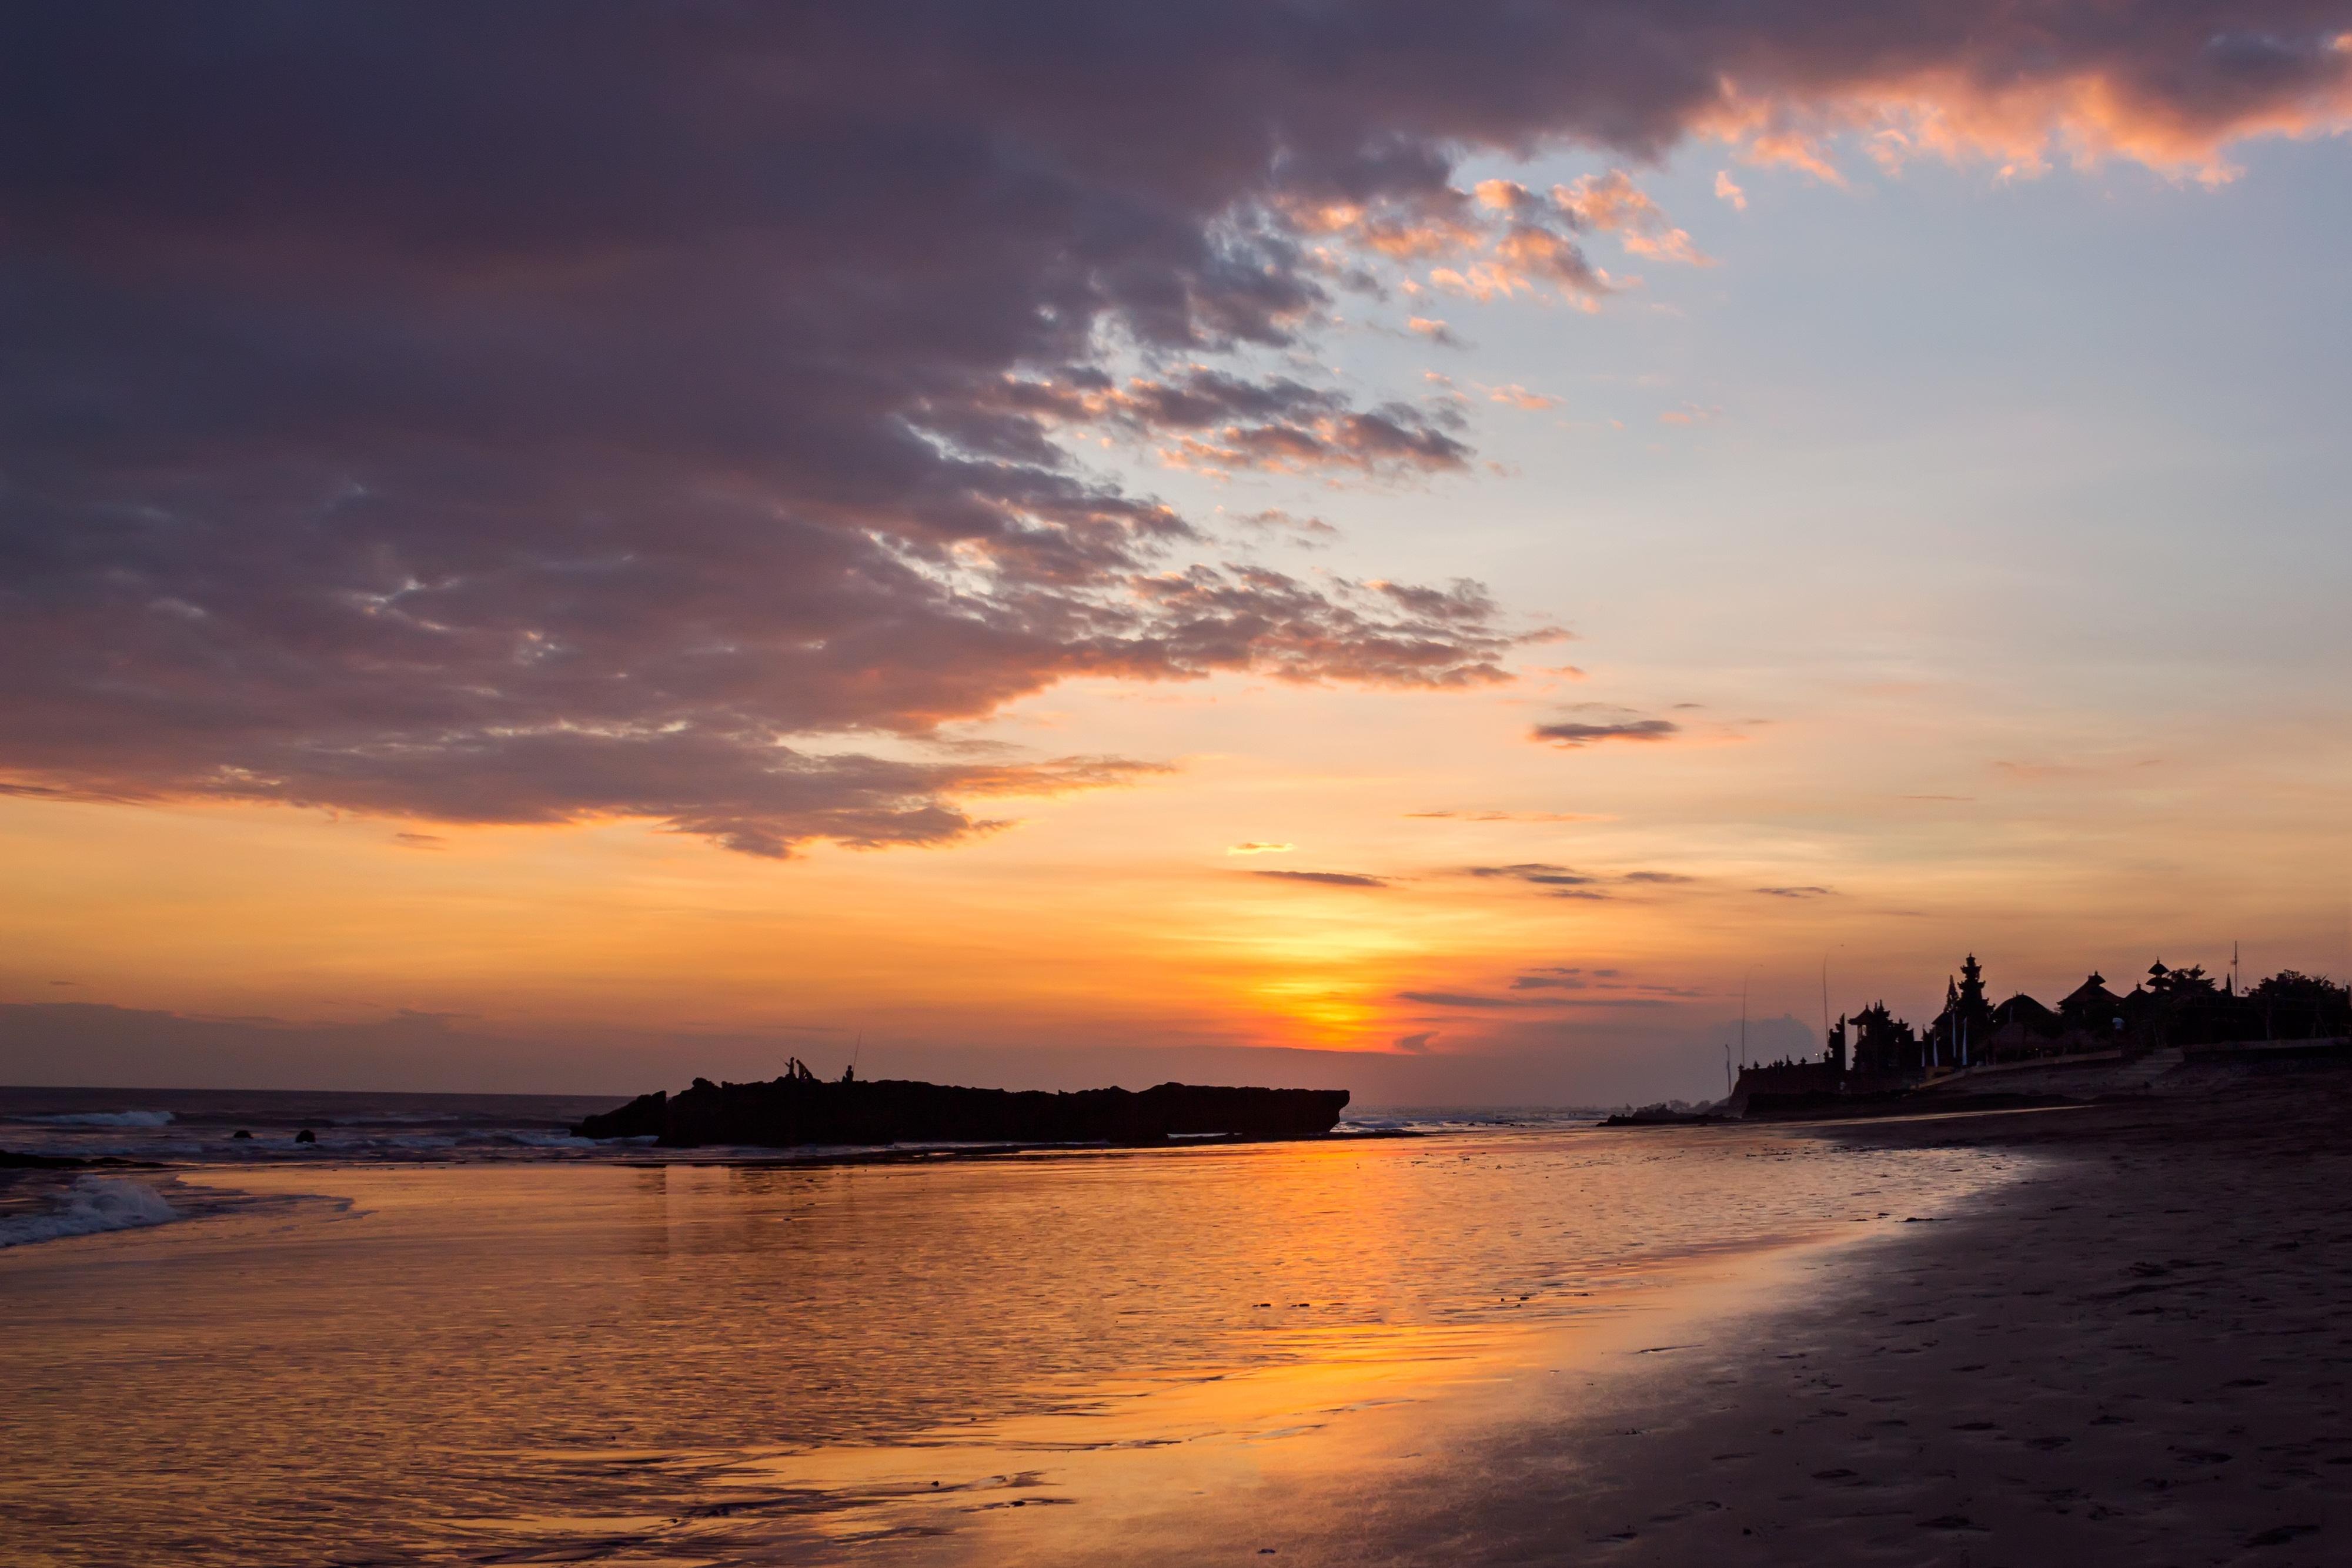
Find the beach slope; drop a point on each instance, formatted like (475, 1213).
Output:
(2140, 1353)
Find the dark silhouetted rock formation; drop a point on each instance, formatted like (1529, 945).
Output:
(795, 1108)
(1662, 1116)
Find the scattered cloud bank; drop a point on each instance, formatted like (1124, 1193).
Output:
(1535, 871)
(1216, 423)
(1481, 1001)
(1518, 396)
(1310, 531)
(1560, 986)
(1564, 881)
(1579, 978)
(1326, 878)
(1612, 202)
(1571, 734)
(1509, 816)
(543, 414)
(1462, 999)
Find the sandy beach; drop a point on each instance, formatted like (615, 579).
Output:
(2136, 1353)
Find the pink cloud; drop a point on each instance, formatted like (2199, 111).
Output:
(1612, 204)
(1518, 396)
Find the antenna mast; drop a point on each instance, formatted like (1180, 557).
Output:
(1748, 974)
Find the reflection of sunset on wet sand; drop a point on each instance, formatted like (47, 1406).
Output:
(1356, 1442)
(687, 1362)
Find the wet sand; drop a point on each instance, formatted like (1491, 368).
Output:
(1168, 1356)
(2137, 1353)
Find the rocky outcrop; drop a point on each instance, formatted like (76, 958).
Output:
(1664, 1116)
(791, 1111)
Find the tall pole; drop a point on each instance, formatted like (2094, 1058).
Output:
(1743, 1013)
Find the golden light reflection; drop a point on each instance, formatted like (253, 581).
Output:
(1201, 1466)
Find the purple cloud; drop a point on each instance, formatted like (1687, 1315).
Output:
(1326, 878)
(544, 413)
(1459, 999)
(1562, 881)
(1538, 873)
(1475, 1001)
(1572, 734)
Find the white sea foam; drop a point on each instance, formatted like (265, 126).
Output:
(107, 1119)
(91, 1204)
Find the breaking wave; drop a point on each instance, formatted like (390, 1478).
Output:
(91, 1204)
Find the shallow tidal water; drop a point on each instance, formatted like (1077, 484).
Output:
(1149, 1356)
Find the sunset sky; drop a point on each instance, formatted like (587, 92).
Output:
(1049, 545)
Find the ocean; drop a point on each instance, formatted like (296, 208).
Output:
(446, 1332)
